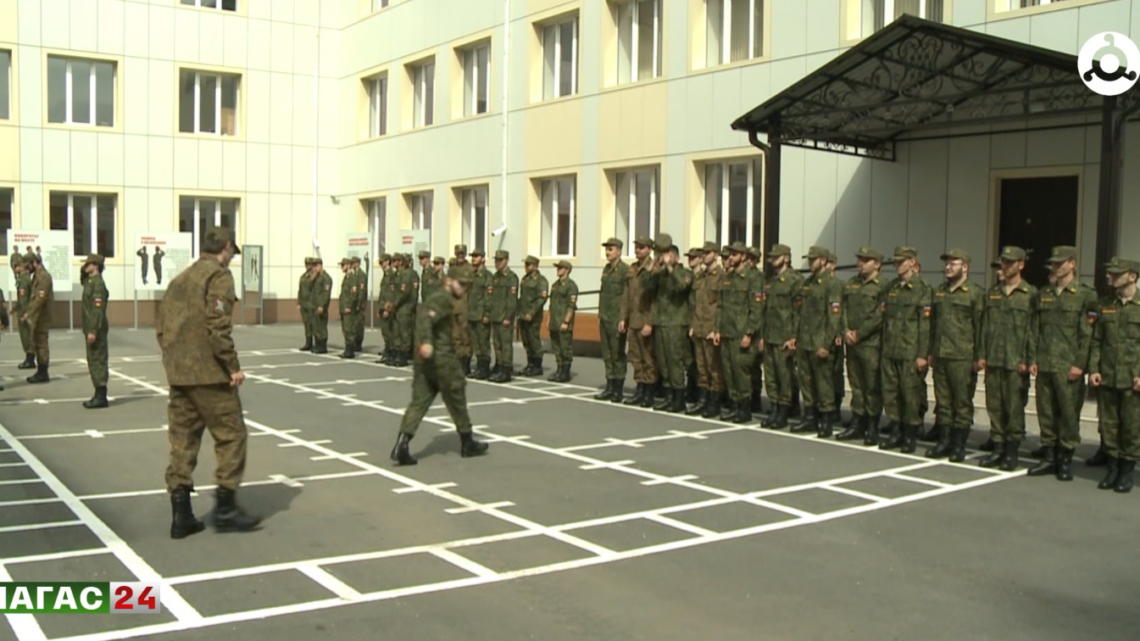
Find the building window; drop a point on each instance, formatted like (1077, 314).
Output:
(422, 210)
(734, 30)
(637, 205)
(476, 76)
(1012, 5)
(377, 106)
(377, 209)
(423, 89)
(639, 40)
(559, 227)
(224, 5)
(7, 197)
(200, 215)
(207, 103)
(81, 92)
(733, 195)
(865, 17)
(560, 58)
(379, 4)
(89, 217)
(474, 204)
(5, 84)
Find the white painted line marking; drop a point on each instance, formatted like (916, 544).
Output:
(56, 556)
(855, 493)
(39, 526)
(318, 442)
(93, 433)
(204, 488)
(329, 457)
(696, 435)
(604, 465)
(781, 508)
(478, 508)
(680, 525)
(670, 480)
(21, 464)
(24, 626)
(437, 486)
(21, 482)
(330, 582)
(30, 502)
(618, 441)
(915, 479)
(463, 562)
(285, 480)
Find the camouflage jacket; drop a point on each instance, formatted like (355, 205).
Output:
(94, 305)
(194, 325)
(956, 329)
(1009, 329)
(1065, 322)
(1116, 343)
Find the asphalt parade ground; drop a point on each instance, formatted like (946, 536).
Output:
(586, 519)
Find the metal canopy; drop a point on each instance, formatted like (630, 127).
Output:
(916, 75)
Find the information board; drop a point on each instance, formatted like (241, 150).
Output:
(251, 266)
(413, 241)
(54, 248)
(159, 257)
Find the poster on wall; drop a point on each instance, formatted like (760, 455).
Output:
(413, 241)
(54, 249)
(251, 266)
(159, 257)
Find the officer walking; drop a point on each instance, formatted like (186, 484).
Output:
(502, 309)
(95, 329)
(781, 318)
(38, 317)
(906, 308)
(610, 328)
(638, 308)
(563, 307)
(821, 316)
(320, 296)
(23, 299)
(738, 324)
(863, 325)
(533, 291)
(671, 282)
(195, 333)
(305, 304)
(702, 332)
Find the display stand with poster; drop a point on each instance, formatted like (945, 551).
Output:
(358, 245)
(159, 257)
(252, 270)
(54, 249)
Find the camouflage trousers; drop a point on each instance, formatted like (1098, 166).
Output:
(461, 335)
(562, 343)
(954, 387)
(307, 314)
(613, 349)
(839, 386)
(442, 376)
(405, 325)
(1005, 403)
(504, 339)
(779, 374)
(26, 336)
(817, 379)
(190, 411)
(642, 356)
(97, 359)
(348, 322)
(673, 353)
(40, 342)
(1059, 403)
(902, 391)
(1120, 422)
(386, 331)
(712, 366)
(480, 338)
(866, 385)
(319, 325)
(737, 364)
(531, 333)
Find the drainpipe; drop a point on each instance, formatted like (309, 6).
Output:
(316, 127)
(771, 183)
(506, 71)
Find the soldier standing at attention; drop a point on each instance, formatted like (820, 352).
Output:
(1009, 347)
(863, 324)
(194, 327)
(739, 317)
(95, 329)
(533, 290)
(436, 370)
(478, 314)
(840, 352)
(347, 313)
(906, 308)
(638, 307)
(703, 332)
(563, 307)
(38, 317)
(23, 299)
(382, 298)
(305, 305)
(671, 281)
(502, 308)
(1115, 371)
(924, 405)
(821, 322)
(429, 278)
(958, 305)
(406, 297)
(692, 375)
(320, 297)
(1066, 313)
(360, 307)
(610, 329)
(781, 317)
(754, 259)
(462, 337)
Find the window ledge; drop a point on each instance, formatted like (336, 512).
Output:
(410, 130)
(114, 129)
(485, 114)
(633, 85)
(993, 15)
(241, 9)
(545, 101)
(730, 65)
(183, 134)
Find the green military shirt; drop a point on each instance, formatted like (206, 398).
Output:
(23, 292)
(740, 305)
(361, 277)
(672, 288)
(321, 293)
(477, 308)
(781, 315)
(533, 291)
(1009, 329)
(956, 326)
(385, 295)
(1065, 322)
(430, 280)
(906, 309)
(611, 292)
(862, 312)
(706, 300)
(407, 289)
(503, 296)
(820, 304)
(639, 302)
(563, 302)
(305, 290)
(194, 325)
(1116, 343)
(347, 297)
(434, 323)
(94, 305)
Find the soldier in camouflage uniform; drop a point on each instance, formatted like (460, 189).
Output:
(820, 303)
(502, 309)
(347, 302)
(840, 352)
(320, 298)
(462, 338)
(610, 329)
(638, 309)
(1066, 313)
(702, 332)
(563, 307)
(781, 317)
(95, 329)
(478, 315)
(738, 324)
(671, 281)
(304, 304)
(754, 259)
(533, 291)
(430, 279)
(38, 316)
(863, 325)
(956, 330)
(407, 293)
(1114, 370)
(360, 308)
(23, 299)
(383, 298)
(194, 328)
(1009, 347)
(906, 309)
(436, 371)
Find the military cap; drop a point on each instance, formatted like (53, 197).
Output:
(724, 251)
(710, 246)
(308, 260)
(1062, 253)
(564, 263)
(779, 250)
(502, 254)
(996, 264)
(438, 259)
(355, 260)
(530, 260)
(345, 261)
(754, 252)
(221, 235)
(1120, 265)
(736, 248)
(1011, 252)
(903, 252)
(30, 257)
(613, 242)
(695, 252)
(957, 254)
(643, 241)
(317, 260)
(868, 252)
(817, 251)
(385, 256)
(452, 262)
(461, 249)
(832, 257)
(93, 258)
(663, 242)
(424, 254)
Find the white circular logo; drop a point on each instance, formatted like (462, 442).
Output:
(1109, 63)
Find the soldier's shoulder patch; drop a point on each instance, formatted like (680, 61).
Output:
(1091, 316)
(415, 283)
(573, 298)
(514, 289)
(542, 294)
(764, 295)
(219, 305)
(940, 294)
(926, 311)
(43, 293)
(354, 289)
(490, 289)
(21, 291)
(328, 287)
(403, 286)
(98, 302)
(883, 306)
(835, 307)
(431, 313)
(757, 296)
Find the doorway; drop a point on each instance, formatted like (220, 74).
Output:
(1037, 214)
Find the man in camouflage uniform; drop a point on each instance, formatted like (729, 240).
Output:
(754, 261)
(462, 337)
(958, 305)
(781, 318)
(38, 316)
(383, 298)
(305, 305)
(638, 309)
(430, 279)
(502, 309)
(738, 324)
(406, 293)
(348, 314)
(906, 309)
(1009, 347)
(478, 315)
(863, 325)
(840, 353)
(1114, 370)
(533, 290)
(702, 332)
(361, 278)
(320, 297)
(1066, 313)
(436, 371)
(820, 303)
(563, 307)
(695, 257)
(194, 327)
(95, 329)
(670, 281)
(610, 329)
(23, 300)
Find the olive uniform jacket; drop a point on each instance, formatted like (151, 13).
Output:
(195, 325)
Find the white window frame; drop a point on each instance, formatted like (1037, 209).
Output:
(198, 75)
(725, 56)
(635, 40)
(552, 184)
(467, 199)
(6, 80)
(94, 231)
(377, 209)
(723, 216)
(633, 174)
(217, 4)
(472, 74)
(378, 5)
(197, 231)
(425, 115)
(1002, 6)
(69, 88)
(556, 74)
(867, 25)
(378, 106)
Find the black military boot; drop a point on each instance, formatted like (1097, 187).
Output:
(781, 420)
(1048, 464)
(348, 351)
(996, 458)
(1112, 474)
(41, 375)
(228, 517)
(810, 422)
(619, 391)
(638, 393)
(99, 400)
(934, 434)
(827, 424)
(855, 429)
(743, 412)
(400, 454)
(183, 523)
(484, 371)
(664, 404)
(466, 366)
(1100, 458)
(699, 407)
(385, 356)
(1011, 456)
(308, 346)
(712, 406)
(943, 448)
(1064, 471)
(895, 436)
(958, 445)
(648, 398)
(29, 361)
(320, 346)
(770, 419)
(871, 436)
(910, 439)
(529, 369)
(470, 447)
(988, 446)
(1124, 483)
(607, 393)
(497, 374)
(728, 409)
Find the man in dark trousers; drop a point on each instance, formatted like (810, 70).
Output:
(95, 329)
